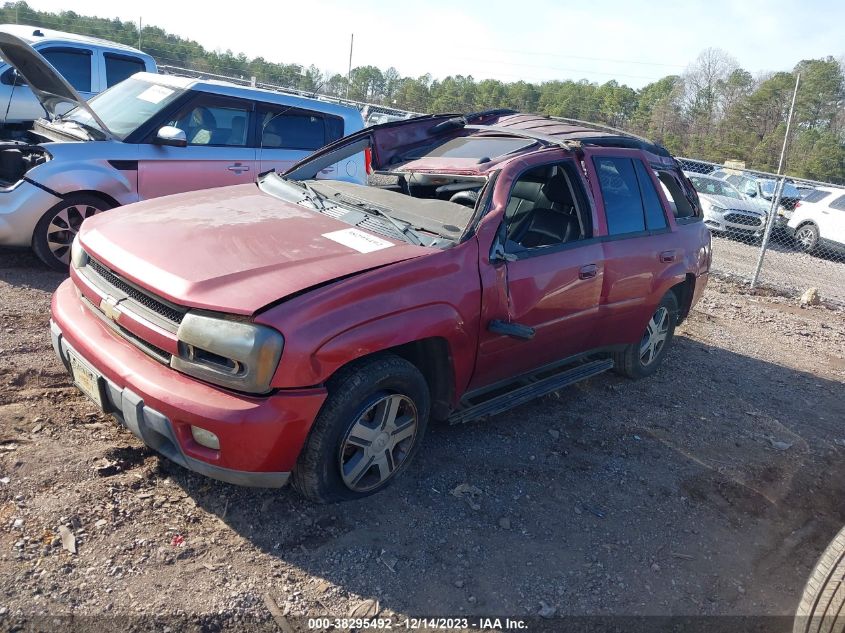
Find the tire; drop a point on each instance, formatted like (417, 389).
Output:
(335, 464)
(56, 229)
(807, 237)
(632, 361)
(822, 607)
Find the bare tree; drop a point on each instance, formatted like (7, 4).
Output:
(704, 81)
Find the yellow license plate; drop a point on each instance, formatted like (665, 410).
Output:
(85, 378)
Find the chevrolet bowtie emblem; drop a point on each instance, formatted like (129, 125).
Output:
(110, 308)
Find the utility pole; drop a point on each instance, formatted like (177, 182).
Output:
(770, 220)
(140, 27)
(349, 72)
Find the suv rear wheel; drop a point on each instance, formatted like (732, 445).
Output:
(807, 237)
(56, 229)
(642, 359)
(367, 432)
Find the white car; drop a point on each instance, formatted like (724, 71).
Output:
(149, 136)
(726, 210)
(89, 64)
(819, 221)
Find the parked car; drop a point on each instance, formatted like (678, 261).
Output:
(726, 210)
(820, 609)
(761, 189)
(817, 225)
(88, 64)
(310, 329)
(149, 136)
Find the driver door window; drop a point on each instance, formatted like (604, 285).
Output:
(543, 210)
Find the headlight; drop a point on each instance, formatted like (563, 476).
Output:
(235, 354)
(78, 256)
(716, 209)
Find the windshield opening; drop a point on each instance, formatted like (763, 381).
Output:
(715, 187)
(430, 206)
(126, 106)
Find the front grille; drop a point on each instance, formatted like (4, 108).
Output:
(745, 220)
(151, 303)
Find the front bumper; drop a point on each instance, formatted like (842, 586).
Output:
(260, 437)
(20, 209)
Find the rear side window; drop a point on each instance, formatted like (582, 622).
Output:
(631, 202)
(73, 64)
(120, 67)
(839, 203)
(655, 219)
(816, 195)
(298, 129)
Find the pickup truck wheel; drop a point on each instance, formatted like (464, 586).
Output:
(642, 359)
(807, 237)
(367, 432)
(56, 229)
(822, 607)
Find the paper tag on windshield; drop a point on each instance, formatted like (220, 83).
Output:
(358, 240)
(155, 94)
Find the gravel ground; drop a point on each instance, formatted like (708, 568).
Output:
(783, 267)
(709, 488)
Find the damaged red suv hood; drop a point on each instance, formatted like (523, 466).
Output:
(232, 249)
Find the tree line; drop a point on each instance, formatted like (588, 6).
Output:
(714, 111)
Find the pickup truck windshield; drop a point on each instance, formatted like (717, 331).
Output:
(126, 106)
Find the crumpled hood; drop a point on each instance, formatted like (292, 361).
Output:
(232, 249)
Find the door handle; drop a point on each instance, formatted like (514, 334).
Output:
(667, 257)
(238, 168)
(588, 272)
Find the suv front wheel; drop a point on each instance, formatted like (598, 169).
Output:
(367, 432)
(642, 359)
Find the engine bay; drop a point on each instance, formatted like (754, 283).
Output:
(17, 157)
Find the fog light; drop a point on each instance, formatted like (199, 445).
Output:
(205, 438)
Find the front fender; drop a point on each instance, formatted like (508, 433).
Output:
(435, 320)
(98, 176)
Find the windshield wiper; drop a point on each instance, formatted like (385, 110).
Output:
(405, 229)
(312, 196)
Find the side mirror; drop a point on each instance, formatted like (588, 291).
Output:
(750, 191)
(172, 136)
(12, 78)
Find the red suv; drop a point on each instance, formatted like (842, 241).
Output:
(310, 329)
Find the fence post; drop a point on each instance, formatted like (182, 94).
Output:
(770, 220)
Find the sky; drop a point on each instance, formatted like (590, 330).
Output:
(634, 42)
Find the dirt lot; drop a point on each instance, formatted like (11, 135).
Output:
(784, 267)
(709, 488)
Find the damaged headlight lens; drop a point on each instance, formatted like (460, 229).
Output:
(234, 354)
(78, 256)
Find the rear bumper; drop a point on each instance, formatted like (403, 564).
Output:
(260, 437)
(20, 209)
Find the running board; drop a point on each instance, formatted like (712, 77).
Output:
(532, 390)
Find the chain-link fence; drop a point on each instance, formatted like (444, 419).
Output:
(796, 226)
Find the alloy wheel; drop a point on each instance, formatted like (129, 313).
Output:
(63, 228)
(378, 442)
(806, 237)
(655, 336)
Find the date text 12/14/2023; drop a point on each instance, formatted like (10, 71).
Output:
(441, 624)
